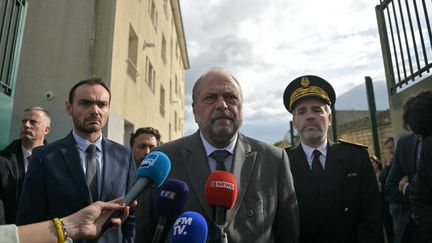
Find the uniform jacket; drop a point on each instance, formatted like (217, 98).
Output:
(344, 205)
(55, 184)
(266, 206)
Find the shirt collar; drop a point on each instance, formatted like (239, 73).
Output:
(26, 153)
(309, 150)
(209, 148)
(82, 144)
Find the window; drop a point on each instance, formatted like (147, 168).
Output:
(132, 59)
(176, 85)
(153, 14)
(163, 50)
(150, 75)
(12, 16)
(175, 121)
(162, 101)
(170, 91)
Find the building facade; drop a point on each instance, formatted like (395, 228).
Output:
(137, 46)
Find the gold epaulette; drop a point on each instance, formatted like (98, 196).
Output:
(288, 147)
(351, 143)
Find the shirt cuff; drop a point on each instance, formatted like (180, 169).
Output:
(404, 189)
(9, 233)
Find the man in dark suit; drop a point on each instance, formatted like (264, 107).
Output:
(417, 117)
(266, 207)
(69, 174)
(142, 141)
(35, 125)
(336, 187)
(398, 186)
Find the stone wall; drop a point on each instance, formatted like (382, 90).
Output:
(359, 131)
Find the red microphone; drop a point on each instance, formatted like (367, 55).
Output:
(221, 194)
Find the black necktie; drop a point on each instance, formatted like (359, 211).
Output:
(91, 171)
(219, 156)
(317, 168)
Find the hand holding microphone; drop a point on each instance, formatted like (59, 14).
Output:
(190, 227)
(152, 172)
(170, 203)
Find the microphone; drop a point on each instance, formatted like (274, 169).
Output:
(170, 203)
(221, 194)
(153, 171)
(190, 227)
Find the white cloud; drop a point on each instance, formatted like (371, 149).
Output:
(266, 44)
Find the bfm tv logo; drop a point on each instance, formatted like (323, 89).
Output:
(181, 224)
(149, 160)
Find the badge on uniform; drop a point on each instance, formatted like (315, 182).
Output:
(351, 174)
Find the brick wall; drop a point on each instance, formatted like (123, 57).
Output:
(359, 131)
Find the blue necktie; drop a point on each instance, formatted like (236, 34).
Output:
(91, 171)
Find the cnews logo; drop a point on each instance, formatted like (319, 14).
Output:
(222, 184)
(149, 160)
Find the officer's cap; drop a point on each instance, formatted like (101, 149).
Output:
(308, 86)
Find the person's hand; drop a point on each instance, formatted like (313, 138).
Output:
(402, 183)
(87, 223)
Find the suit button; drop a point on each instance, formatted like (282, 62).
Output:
(346, 210)
(250, 213)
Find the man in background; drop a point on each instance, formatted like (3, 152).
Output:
(391, 211)
(83, 167)
(336, 187)
(142, 141)
(35, 125)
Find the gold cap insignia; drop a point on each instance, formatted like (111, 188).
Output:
(304, 82)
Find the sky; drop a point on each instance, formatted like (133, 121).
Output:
(267, 44)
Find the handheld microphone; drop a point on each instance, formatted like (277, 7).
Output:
(170, 203)
(152, 172)
(221, 194)
(190, 227)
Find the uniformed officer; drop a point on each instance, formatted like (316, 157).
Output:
(335, 184)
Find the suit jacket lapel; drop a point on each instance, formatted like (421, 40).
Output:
(243, 164)
(197, 168)
(109, 166)
(73, 162)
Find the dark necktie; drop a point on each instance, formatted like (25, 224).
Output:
(91, 171)
(317, 168)
(219, 156)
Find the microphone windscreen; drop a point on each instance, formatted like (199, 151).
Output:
(221, 189)
(171, 199)
(190, 227)
(155, 166)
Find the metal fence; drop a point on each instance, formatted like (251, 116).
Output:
(406, 37)
(11, 17)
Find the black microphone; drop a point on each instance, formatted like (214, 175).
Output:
(170, 203)
(152, 172)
